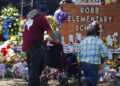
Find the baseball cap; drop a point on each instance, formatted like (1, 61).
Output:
(91, 25)
(42, 8)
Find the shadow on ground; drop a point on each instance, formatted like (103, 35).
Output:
(20, 82)
(12, 82)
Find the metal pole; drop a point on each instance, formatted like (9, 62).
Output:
(31, 3)
(21, 9)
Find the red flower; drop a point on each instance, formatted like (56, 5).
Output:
(8, 46)
(22, 17)
(5, 60)
(78, 41)
(4, 51)
(103, 3)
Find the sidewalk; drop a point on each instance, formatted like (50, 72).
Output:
(12, 82)
(21, 82)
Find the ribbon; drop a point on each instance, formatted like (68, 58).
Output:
(6, 25)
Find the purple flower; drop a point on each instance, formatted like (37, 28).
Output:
(60, 16)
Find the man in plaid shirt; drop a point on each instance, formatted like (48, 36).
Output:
(92, 50)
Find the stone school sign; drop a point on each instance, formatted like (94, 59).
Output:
(79, 16)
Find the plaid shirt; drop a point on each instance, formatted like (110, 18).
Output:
(91, 50)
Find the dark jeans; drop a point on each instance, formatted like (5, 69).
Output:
(91, 73)
(72, 70)
(35, 64)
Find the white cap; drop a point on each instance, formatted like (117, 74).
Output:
(92, 24)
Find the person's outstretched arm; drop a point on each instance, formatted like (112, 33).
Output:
(47, 27)
(50, 32)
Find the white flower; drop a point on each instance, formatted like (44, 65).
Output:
(5, 9)
(14, 14)
(11, 52)
(2, 11)
(0, 27)
(16, 19)
(8, 58)
(14, 24)
(1, 22)
(8, 10)
(11, 8)
(5, 17)
(11, 29)
(1, 16)
(45, 32)
(9, 25)
(8, 14)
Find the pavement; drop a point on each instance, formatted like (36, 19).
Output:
(12, 82)
(21, 82)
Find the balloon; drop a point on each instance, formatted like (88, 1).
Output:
(60, 16)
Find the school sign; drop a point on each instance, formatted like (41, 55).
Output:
(79, 16)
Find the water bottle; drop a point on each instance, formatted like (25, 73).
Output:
(83, 79)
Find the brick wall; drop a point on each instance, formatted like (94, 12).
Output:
(109, 26)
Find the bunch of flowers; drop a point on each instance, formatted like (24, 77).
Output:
(9, 51)
(52, 21)
(112, 41)
(11, 12)
(110, 63)
(53, 24)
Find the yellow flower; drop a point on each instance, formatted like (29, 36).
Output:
(20, 28)
(112, 63)
(16, 59)
(21, 22)
(22, 59)
(116, 46)
(78, 61)
(107, 60)
(105, 44)
(106, 40)
(113, 41)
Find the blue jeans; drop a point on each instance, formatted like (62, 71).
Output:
(35, 64)
(91, 73)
